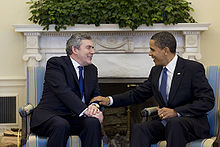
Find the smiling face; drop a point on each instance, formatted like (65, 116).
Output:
(83, 55)
(158, 55)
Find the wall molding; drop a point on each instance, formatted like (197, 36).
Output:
(12, 81)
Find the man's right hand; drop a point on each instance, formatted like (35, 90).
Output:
(93, 111)
(99, 115)
(102, 100)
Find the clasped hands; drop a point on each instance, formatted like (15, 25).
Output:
(93, 111)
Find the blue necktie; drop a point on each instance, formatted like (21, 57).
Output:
(163, 90)
(81, 81)
(163, 85)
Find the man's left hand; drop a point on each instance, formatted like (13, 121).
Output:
(165, 113)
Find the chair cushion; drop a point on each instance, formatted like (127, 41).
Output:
(36, 141)
(197, 143)
(202, 142)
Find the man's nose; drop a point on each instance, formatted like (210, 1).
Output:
(92, 51)
(150, 53)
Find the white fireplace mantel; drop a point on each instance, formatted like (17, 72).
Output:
(114, 27)
(119, 52)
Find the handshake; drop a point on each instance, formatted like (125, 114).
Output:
(93, 108)
(105, 101)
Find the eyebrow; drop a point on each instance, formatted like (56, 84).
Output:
(152, 49)
(90, 46)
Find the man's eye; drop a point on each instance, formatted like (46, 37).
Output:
(89, 47)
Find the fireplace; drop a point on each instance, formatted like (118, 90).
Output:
(118, 122)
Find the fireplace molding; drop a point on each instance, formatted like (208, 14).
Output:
(120, 52)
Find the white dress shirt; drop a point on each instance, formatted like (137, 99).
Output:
(170, 71)
(75, 65)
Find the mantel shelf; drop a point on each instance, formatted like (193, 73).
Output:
(114, 27)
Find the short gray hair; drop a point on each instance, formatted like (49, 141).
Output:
(75, 40)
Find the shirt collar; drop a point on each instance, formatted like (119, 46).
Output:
(75, 64)
(172, 65)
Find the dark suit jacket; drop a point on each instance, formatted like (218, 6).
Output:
(190, 93)
(61, 93)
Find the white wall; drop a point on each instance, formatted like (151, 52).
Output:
(12, 77)
(208, 11)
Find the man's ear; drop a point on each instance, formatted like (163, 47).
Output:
(74, 50)
(167, 50)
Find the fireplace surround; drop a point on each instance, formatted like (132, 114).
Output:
(118, 52)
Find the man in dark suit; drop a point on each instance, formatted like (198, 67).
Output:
(183, 94)
(70, 84)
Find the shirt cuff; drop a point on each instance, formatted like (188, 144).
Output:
(179, 115)
(111, 100)
(81, 114)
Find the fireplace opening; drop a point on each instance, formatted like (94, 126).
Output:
(118, 122)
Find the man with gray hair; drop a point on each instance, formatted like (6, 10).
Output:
(70, 83)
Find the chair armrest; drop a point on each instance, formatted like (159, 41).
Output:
(25, 112)
(217, 141)
(151, 111)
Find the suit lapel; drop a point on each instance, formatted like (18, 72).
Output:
(157, 76)
(72, 69)
(177, 78)
(86, 77)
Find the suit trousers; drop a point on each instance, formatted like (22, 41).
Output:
(177, 132)
(59, 128)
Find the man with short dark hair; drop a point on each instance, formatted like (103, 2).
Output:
(183, 94)
(70, 83)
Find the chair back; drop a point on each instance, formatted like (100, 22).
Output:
(213, 75)
(35, 80)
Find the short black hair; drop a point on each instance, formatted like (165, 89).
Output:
(165, 39)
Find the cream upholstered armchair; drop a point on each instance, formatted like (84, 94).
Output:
(213, 75)
(35, 79)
